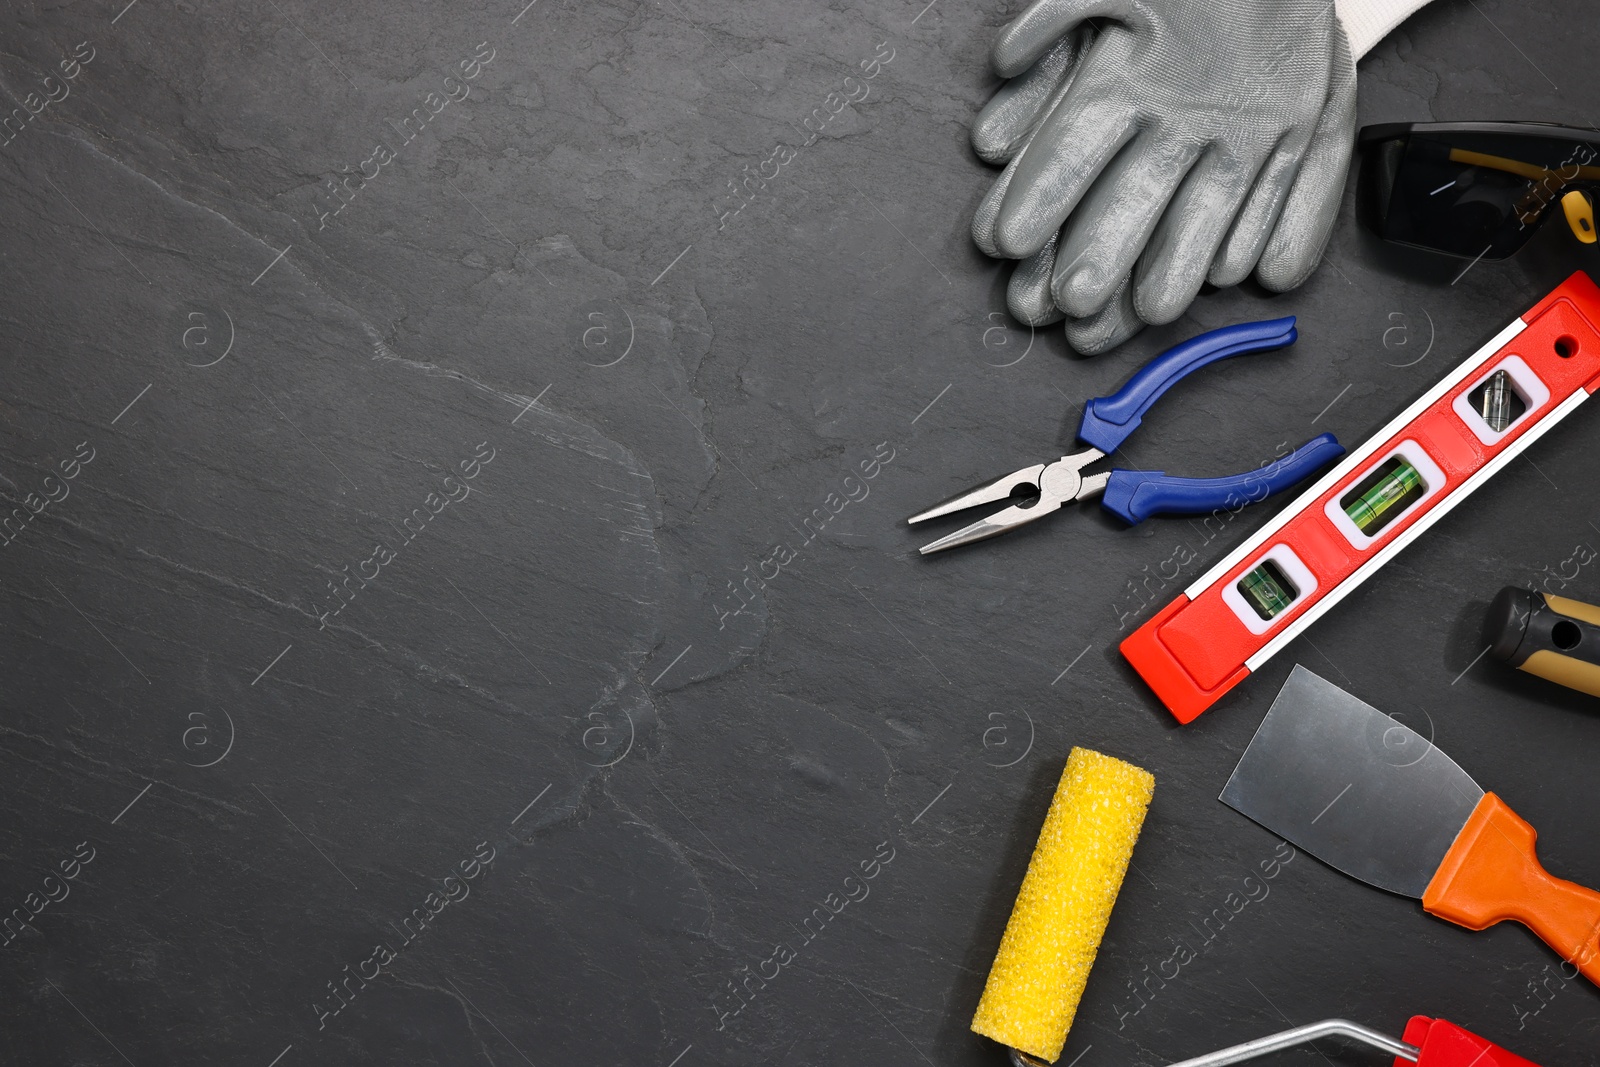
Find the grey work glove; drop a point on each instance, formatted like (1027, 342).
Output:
(1001, 131)
(1186, 142)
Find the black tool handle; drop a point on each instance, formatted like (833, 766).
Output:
(1551, 636)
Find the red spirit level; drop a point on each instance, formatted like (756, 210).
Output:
(1360, 514)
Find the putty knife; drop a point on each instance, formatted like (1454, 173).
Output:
(1355, 788)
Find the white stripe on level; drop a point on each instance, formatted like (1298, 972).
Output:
(1380, 439)
(1440, 510)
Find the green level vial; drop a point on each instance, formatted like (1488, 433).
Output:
(1384, 496)
(1267, 590)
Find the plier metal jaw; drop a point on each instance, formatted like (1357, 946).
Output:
(1057, 485)
(1136, 495)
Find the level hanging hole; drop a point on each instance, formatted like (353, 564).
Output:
(1497, 401)
(1566, 347)
(1566, 635)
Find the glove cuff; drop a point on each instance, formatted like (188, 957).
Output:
(1366, 22)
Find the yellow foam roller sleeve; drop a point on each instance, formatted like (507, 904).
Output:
(1065, 902)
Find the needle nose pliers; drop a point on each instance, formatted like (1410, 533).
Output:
(1136, 495)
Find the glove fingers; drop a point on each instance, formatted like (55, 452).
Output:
(1248, 238)
(1028, 293)
(1030, 34)
(1108, 327)
(1186, 240)
(1106, 232)
(988, 213)
(1302, 232)
(1005, 122)
(1073, 144)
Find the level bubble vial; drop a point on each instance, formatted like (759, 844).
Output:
(1384, 495)
(1267, 590)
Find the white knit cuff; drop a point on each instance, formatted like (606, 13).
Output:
(1366, 22)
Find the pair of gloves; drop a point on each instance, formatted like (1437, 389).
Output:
(1151, 146)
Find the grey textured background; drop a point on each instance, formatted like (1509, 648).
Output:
(544, 673)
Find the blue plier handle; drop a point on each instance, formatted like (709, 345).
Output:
(1108, 421)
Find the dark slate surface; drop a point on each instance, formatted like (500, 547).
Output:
(642, 782)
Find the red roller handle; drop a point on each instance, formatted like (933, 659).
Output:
(1444, 1044)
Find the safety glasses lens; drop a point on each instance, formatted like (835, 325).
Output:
(1472, 194)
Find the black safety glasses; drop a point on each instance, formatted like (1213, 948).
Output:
(1477, 189)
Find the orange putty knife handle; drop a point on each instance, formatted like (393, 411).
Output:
(1491, 873)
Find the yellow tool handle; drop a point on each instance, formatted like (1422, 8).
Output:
(1551, 636)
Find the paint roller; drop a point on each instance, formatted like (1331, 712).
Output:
(1061, 914)
(1065, 902)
